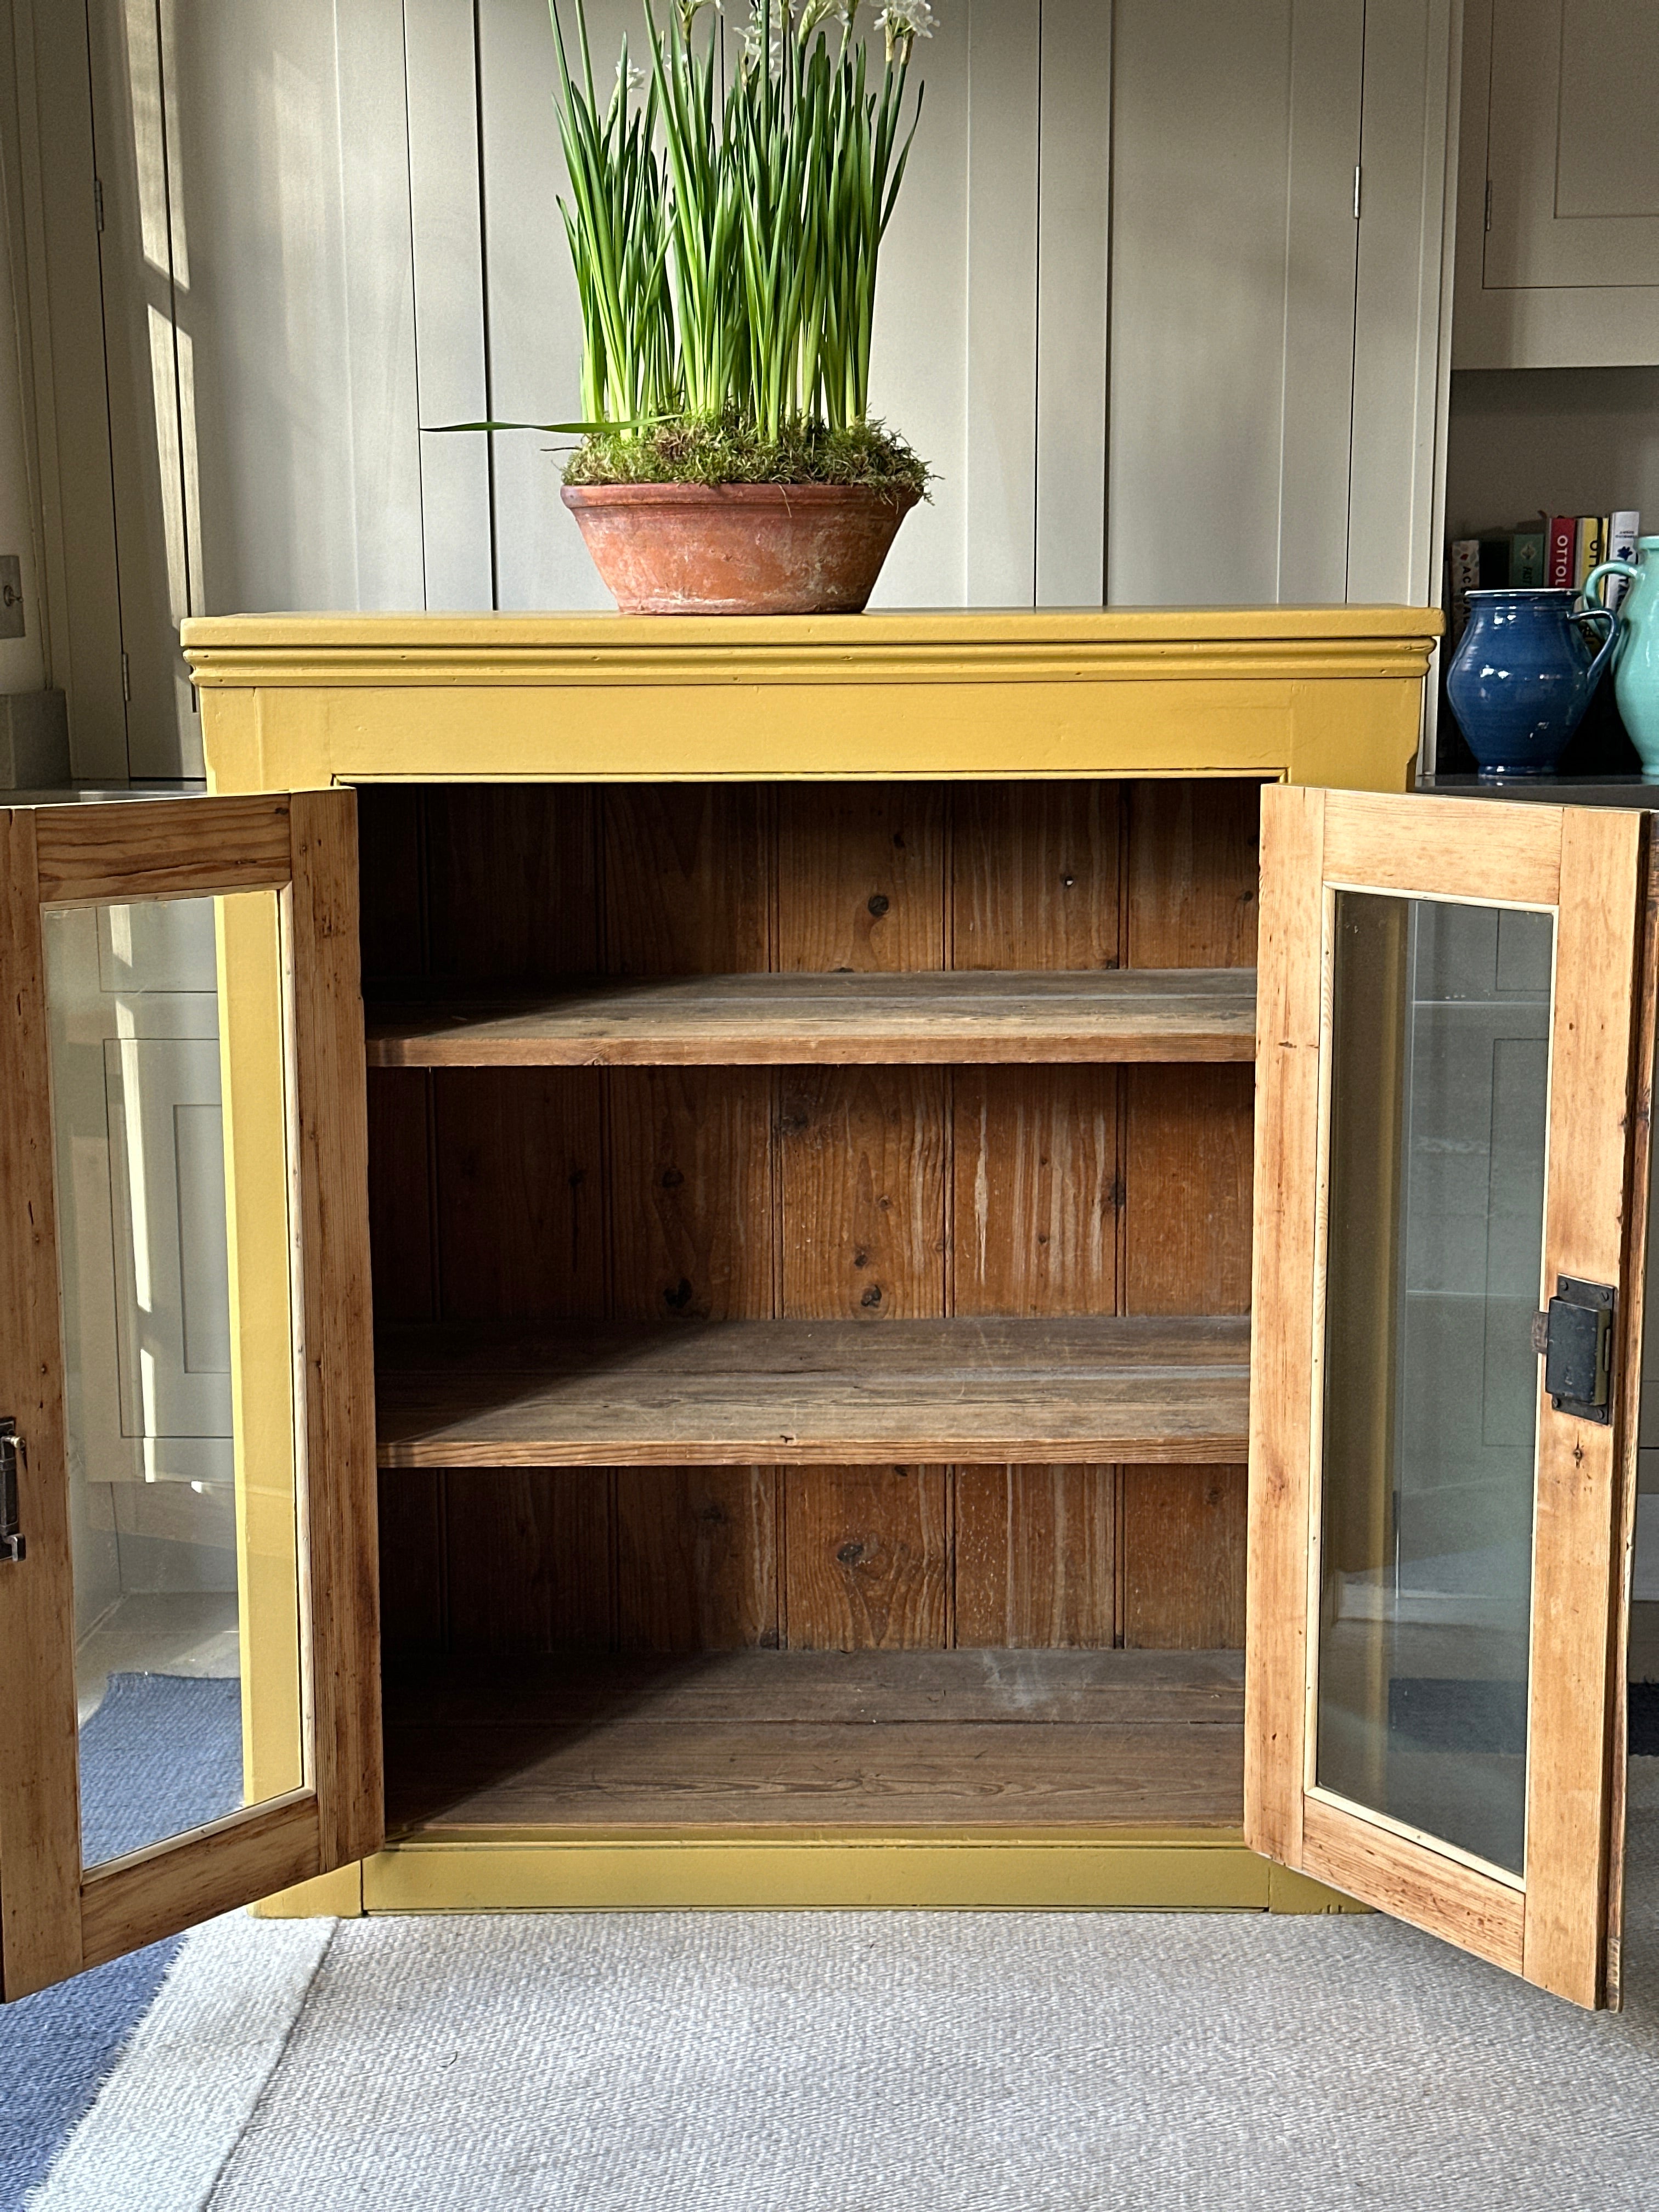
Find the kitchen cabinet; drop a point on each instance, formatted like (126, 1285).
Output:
(1557, 203)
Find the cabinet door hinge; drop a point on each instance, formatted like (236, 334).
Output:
(11, 1536)
(98, 202)
(126, 679)
(1488, 222)
(1356, 191)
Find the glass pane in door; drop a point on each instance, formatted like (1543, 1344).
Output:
(185, 1537)
(1439, 1093)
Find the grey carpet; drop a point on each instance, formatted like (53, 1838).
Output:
(1040, 2063)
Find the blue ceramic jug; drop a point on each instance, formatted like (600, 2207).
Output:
(1523, 676)
(1635, 663)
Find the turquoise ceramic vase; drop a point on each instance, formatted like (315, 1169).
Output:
(1636, 655)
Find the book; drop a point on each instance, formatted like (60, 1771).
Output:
(1494, 563)
(1562, 541)
(1590, 547)
(1527, 560)
(1463, 577)
(1624, 529)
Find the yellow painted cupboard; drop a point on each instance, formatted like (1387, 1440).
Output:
(742, 1338)
(906, 717)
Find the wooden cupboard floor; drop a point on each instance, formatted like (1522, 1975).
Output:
(801, 1739)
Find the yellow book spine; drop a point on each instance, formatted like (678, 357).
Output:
(1591, 547)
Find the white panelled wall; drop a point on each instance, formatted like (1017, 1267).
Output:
(1128, 312)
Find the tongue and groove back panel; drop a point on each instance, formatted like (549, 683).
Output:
(862, 1193)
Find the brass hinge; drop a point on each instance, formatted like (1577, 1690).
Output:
(98, 202)
(1488, 222)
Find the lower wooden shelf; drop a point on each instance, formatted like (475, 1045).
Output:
(988, 1393)
(788, 1742)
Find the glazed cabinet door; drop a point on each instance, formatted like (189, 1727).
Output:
(188, 1632)
(1455, 1056)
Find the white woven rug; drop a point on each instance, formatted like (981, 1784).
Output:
(860, 2061)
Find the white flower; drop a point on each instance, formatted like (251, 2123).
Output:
(905, 22)
(690, 9)
(763, 37)
(629, 79)
(815, 12)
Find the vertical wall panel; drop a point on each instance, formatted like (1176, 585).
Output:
(919, 361)
(372, 127)
(1321, 235)
(1002, 303)
(447, 220)
(1074, 172)
(1199, 133)
(66, 346)
(288, 190)
(1228, 263)
(1403, 309)
(535, 336)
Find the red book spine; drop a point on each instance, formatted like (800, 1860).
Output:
(1564, 531)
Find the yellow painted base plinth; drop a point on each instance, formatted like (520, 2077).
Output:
(336, 1896)
(1145, 1871)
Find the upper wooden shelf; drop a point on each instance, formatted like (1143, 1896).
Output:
(1116, 1015)
(767, 1392)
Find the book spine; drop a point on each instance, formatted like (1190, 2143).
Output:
(1564, 533)
(1623, 531)
(1465, 578)
(1527, 560)
(1590, 547)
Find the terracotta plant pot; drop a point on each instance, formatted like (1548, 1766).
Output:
(737, 548)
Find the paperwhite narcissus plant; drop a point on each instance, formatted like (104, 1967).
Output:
(726, 228)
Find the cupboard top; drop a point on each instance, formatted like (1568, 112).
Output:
(1307, 695)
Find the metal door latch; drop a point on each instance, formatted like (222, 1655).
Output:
(11, 1536)
(1574, 1338)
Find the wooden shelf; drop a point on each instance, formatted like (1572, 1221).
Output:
(763, 1392)
(1106, 1015)
(800, 1740)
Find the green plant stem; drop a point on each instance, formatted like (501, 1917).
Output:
(727, 246)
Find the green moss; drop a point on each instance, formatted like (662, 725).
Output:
(731, 451)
